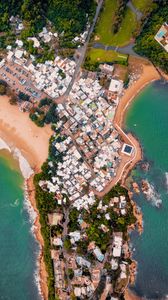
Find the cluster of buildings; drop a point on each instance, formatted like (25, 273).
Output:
(162, 36)
(51, 77)
(91, 147)
(84, 272)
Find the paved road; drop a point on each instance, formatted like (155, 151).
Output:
(124, 50)
(136, 11)
(83, 49)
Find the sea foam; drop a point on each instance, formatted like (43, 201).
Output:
(153, 196)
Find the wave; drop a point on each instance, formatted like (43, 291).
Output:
(32, 218)
(166, 177)
(23, 163)
(152, 195)
(37, 274)
(25, 168)
(4, 145)
(15, 204)
(26, 171)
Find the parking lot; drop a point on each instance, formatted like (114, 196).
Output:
(19, 80)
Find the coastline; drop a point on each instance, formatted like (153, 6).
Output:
(32, 142)
(149, 74)
(29, 146)
(37, 231)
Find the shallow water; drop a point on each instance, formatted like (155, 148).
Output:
(147, 119)
(18, 248)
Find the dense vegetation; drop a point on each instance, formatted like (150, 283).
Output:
(146, 45)
(45, 113)
(119, 14)
(96, 217)
(69, 17)
(3, 87)
(45, 204)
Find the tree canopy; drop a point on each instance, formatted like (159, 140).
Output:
(68, 16)
(146, 45)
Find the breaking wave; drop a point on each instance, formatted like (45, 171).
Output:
(153, 196)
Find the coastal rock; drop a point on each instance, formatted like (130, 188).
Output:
(135, 187)
(145, 166)
(145, 186)
(150, 193)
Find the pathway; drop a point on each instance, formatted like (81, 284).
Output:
(124, 50)
(136, 11)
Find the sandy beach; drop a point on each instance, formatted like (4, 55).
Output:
(149, 74)
(18, 131)
(129, 295)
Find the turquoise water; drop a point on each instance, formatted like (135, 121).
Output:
(18, 248)
(147, 119)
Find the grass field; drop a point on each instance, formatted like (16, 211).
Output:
(104, 33)
(142, 5)
(110, 56)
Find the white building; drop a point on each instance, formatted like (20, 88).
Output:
(116, 86)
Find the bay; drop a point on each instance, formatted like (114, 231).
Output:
(147, 119)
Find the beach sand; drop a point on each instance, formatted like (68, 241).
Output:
(149, 74)
(18, 131)
(129, 295)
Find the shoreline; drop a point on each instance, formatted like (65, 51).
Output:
(30, 203)
(149, 75)
(28, 144)
(37, 232)
(29, 141)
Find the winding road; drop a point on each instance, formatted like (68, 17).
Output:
(128, 49)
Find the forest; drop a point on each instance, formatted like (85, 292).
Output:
(69, 17)
(146, 45)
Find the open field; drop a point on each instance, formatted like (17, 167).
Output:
(104, 33)
(142, 5)
(100, 55)
(104, 26)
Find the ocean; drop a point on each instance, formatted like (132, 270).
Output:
(18, 247)
(147, 119)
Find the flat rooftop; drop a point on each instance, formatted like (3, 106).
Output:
(127, 149)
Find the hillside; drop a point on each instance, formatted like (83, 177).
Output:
(68, 17)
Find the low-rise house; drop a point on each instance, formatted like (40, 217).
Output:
(117, 244)
(57, 242)
(83, 262)
(74, 236)
(116, 86)
(55, 218)
(98, 254)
